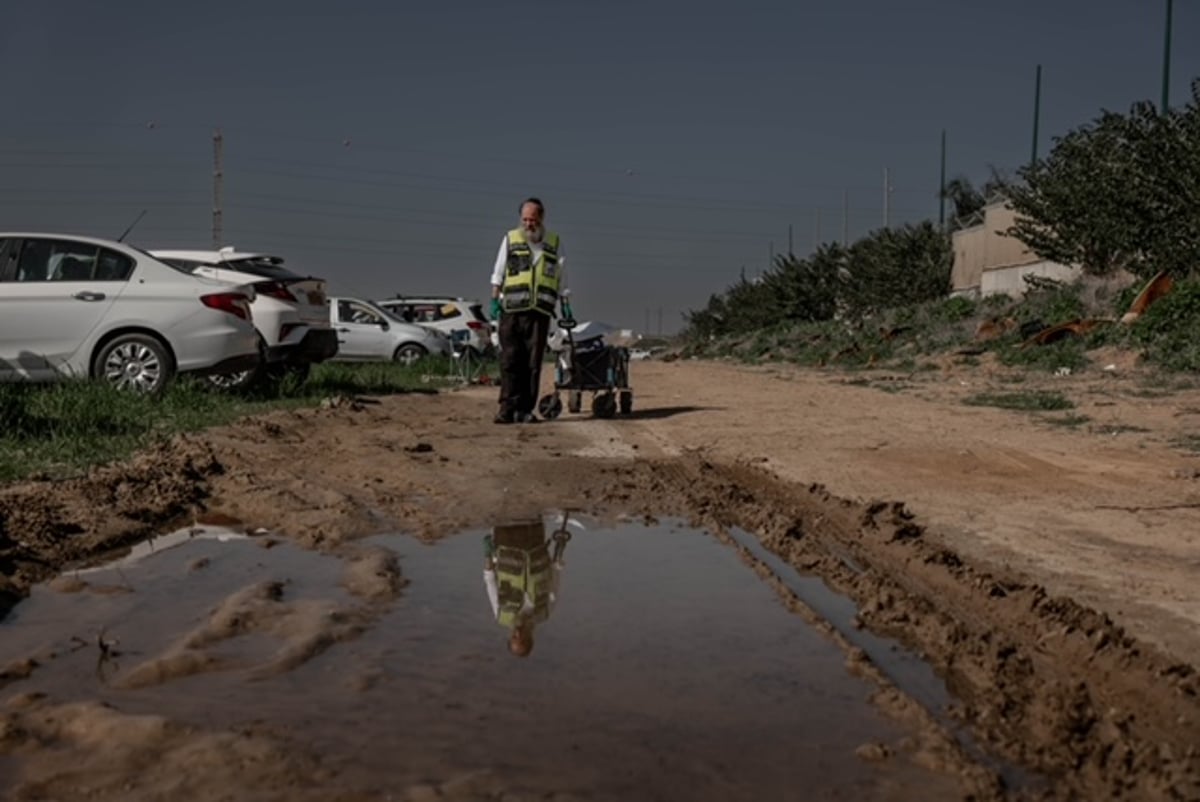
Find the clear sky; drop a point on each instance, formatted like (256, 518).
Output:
(386, 146)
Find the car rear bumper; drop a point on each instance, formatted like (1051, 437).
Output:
(316, 346)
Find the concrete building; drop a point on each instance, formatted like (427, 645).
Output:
(986, 262)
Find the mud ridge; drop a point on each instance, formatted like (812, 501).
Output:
(47, 524)
(1045, 682)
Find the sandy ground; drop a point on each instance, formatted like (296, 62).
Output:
(1045, 567)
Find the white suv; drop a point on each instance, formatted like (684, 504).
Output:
(463, 321)
(289, 310)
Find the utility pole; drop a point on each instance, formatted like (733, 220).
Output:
(218, 181)
(942, 187)
(1166, 78)
(1037, 113)
(887, 192)
(845, 218)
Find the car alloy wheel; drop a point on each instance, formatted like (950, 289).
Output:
(135, 362)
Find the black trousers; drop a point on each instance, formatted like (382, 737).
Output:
(522, 347)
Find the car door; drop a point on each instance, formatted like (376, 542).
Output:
(53, 294)
(361, 331)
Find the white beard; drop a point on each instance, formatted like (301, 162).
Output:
(536, 235)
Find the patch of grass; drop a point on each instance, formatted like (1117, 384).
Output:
(1147, 392)
(1119, 428)
(1167, 331)
(1071, 421)
(59, 429)
(1188, 442)
(1029, 402)
(1067, 353)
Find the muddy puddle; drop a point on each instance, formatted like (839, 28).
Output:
(651, 664)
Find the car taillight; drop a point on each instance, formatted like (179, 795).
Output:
(275, 289)
(476, 325)
(234, 303)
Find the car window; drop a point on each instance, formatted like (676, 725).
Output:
(186, 265)
(56, 260)
(351, 312)
(424, 313)
(183, 265)
(113, 266)
(477, 312)
(7, 258)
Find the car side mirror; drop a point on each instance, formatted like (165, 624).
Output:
(383, 324)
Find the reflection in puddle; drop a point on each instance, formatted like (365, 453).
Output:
(638, 662)
(156, 545)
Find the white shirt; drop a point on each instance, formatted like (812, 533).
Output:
(536, 247)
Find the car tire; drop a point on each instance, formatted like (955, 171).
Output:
(239, 382)
(137, 362)
(244, 380)
(409, 353)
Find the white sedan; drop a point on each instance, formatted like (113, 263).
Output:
(289, 309)
(367, 332)
(75, 306)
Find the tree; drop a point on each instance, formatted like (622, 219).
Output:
(1122, 192)
(895, 267)
(969, 201)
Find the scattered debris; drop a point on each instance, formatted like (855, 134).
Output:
(1072, 328)
(1156, 288)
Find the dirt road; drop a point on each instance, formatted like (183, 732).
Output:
(1044, 565)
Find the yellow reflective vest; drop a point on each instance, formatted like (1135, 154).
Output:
(530, 283)
(521, 573)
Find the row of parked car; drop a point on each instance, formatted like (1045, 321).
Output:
(81, 306)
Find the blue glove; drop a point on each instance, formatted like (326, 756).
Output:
(496, 309)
